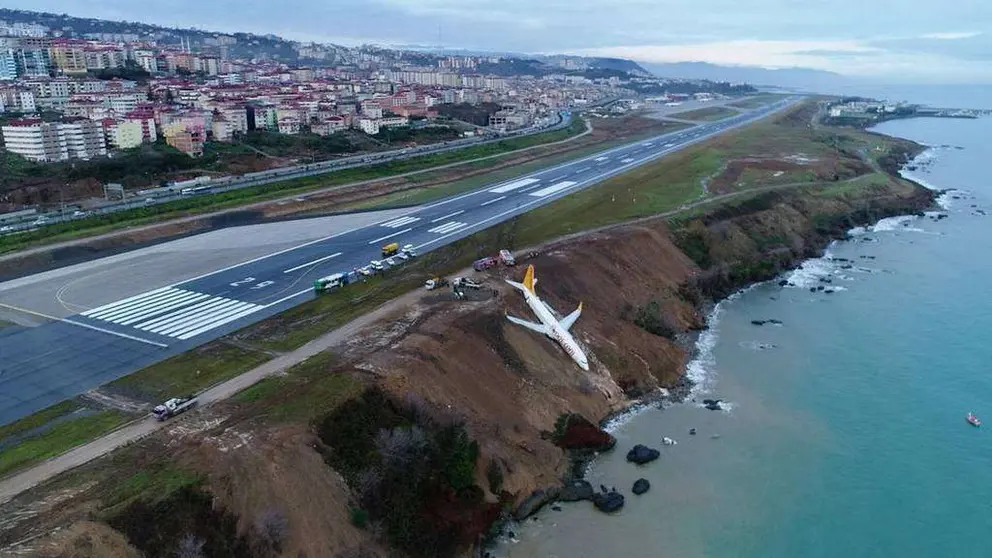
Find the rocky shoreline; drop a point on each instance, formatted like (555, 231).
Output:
(574, 487)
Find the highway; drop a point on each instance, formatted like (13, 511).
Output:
(157, 196)
(66, 356)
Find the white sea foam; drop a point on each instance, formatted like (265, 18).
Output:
(809, 273)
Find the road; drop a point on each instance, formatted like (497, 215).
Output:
(14, 485)
(70, 355)
(156, 196)
(258, 205)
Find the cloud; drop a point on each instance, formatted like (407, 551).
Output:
(951, 36)
(850, 58)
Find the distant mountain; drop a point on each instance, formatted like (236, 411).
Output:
(793, 78)
(618, 64)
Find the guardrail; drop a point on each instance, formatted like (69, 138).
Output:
(170, 194)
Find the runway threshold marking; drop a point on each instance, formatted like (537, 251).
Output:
(514, 185)
(317, 261)
(448, 227)
(309, 291)
(388, 236)
(553, 188)
(397, 223)
(84, 326)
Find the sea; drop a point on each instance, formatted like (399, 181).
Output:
(844, 431)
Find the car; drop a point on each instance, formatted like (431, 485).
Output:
(40, 221)
(376, 265)
(79, 213)
(366, 271)
(6, 229)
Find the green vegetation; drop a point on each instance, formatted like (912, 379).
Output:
(307, 391)
(59, 439)
(189, 372)
(651, 319)
(708, 114)
(39, 419)
(101, 224)
(409, 469)
(184, 524)
(156, 481)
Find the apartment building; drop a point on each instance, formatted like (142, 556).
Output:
(123, 134)
(69, 57)
(186, 136)
(48, 142)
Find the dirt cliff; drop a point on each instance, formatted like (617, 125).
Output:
(645, 289)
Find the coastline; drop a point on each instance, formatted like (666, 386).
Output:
(697, 378)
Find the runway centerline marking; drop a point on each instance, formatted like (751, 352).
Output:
(317, 261)
(388, 236)
(494, 200)
(448, 216)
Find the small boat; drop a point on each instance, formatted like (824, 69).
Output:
(973, 420)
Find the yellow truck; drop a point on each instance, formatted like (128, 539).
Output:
(390, 249)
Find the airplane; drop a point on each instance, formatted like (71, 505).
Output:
(549, 325)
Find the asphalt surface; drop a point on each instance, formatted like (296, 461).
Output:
(43, 365)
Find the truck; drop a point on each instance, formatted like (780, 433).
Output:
(173, 407)
(330, 283)
(484, 263)
(377, 265)
(390, 249)
(435, 283)
(459, 282)
(507, 258)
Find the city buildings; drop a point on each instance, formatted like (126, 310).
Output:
(191, 90)
(49, 142)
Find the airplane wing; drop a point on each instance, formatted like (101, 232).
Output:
(529, 325)
(567, 322)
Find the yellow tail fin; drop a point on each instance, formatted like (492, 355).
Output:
(529, 279)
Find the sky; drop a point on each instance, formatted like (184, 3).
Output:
(899, 41)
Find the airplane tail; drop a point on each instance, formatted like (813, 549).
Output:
(529, 281)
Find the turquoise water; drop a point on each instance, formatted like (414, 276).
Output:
(846, 435)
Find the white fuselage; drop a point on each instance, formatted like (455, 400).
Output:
(555, 331)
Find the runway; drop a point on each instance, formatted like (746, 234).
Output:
(80, 347)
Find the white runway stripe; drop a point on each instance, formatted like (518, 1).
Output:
(397, 223)
(627, 160)
(181, 302)
(207, 327)
(494, 200)
(116, 307)
(173, 312)
(448, 227)
(448, 216)
(553, 189)
(124, 301)
(514, 185)
(192, 323)
(142, 308)
(169, 319)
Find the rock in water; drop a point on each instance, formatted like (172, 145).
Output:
(642, 454)
(758, 322)
(575, 491)
(580, 434)
(535, 502)
(641, 486)
(610, 502)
